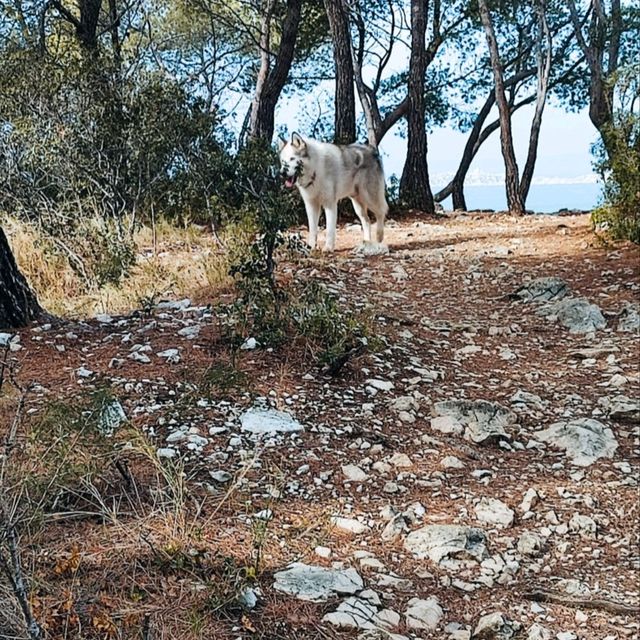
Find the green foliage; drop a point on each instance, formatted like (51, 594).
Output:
(393, 191)
(618, 161)
(267, 307)
(221, 379)
(331, 332)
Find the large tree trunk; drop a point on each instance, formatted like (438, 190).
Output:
(415, 191)
(263, 71)
(514, 200)
(18, 304)
(87, 25)
(345, 99)
(277, 77)
(456, 187)
(600, 91)
(543, 56)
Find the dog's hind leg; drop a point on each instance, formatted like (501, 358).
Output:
(363, 216)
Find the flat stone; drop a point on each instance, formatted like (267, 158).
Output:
(400, 460)
(542, 290)
(142, 358)
(447, 425)
(584, 525)
(268, 421)
(395, 528)
(538, 632)
(174, 305)
(495, 626)
(356, 613)
(175, 437)
(380, 385)
(629, 318)
(317, 584)
(576, 314)
(5, 339)
(220, 476)
(451, 462)
(371, 249)
(172, 355)
(584, 440)
(112, 417)
(423, 614)
(190, 332)
(353, 473)
(484, 421)
(166, 452)
(439, 542)
(529, 544)
(404, 403)
(529, 500)
(494, 512)
(527, 400)
(349, 524)
(624, 409)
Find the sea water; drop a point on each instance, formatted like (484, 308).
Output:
(542, 198)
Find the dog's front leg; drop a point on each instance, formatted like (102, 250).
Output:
(331, 215)
(313, 218)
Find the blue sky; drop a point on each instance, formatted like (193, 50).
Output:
(563, 151)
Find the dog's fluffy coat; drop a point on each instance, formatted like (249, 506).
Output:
(326, 173)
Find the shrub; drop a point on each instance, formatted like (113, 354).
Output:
(272, 310)
(618, 162)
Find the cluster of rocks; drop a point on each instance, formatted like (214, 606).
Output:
(574, 313)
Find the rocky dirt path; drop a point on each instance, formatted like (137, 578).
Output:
(476, 476)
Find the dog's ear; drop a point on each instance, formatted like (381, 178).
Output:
(281, 143)
(297, 141)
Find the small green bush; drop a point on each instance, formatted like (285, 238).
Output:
(273, 311)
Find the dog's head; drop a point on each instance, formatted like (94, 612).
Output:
(293, 154)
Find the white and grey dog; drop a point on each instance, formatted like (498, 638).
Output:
(326, 173)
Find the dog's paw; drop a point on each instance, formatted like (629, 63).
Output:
(371, 249)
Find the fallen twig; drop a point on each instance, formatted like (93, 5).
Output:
(583, 603)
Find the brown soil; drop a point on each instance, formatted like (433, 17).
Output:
(146, 564)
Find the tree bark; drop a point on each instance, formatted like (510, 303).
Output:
(543, 56)
(345, 100)
(271, 80)
(18, 304)
(415, 191)
(263, 71)
(600, 91)
(514, 199)
(278, 75)
(87, 25)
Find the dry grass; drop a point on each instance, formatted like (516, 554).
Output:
(172, 262)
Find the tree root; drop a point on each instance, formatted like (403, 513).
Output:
(583, 603)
